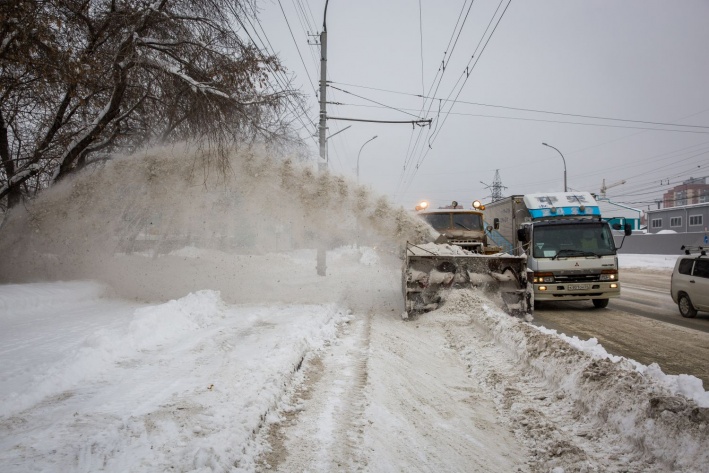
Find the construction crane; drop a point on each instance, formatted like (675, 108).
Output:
(605, 187)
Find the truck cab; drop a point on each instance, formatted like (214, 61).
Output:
(570, 249)
(458, 226)
(573, 260)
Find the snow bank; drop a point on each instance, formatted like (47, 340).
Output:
(149, 328)
(660, 415)
(647, 261)
(688, 386)
(189, 382)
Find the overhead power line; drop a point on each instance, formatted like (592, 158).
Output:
(281, 81)
(563, 122)
(373, 101)
(296, 47)
(520, 109)
(437, 81)
(468, 70)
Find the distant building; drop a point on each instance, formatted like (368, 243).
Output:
(694, 190)
(680, 219)
(621, 214)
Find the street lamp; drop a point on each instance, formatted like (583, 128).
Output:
(360, 152)
(562, 158)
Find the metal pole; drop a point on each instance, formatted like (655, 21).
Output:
(564, 160)
(321, 264)
(322, 164)
(360, 152)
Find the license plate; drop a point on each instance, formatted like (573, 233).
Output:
(578, 287)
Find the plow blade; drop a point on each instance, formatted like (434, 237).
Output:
(430, 270)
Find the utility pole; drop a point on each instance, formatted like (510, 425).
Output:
(321, 265)
(322, 164)
(323, 161)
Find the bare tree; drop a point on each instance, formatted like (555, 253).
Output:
(80, 79)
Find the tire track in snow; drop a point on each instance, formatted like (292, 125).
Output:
(321, 424)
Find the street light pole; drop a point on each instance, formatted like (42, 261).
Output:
(360, 152)
(564, 160)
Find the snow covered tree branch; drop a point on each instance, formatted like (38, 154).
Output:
(98, 76)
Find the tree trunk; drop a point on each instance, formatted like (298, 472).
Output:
(14, 194)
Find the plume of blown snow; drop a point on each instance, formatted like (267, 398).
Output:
(158, 224)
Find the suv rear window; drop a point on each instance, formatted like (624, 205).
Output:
(701, 269)
(685, 266)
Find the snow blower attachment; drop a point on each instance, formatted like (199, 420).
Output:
(432, 269)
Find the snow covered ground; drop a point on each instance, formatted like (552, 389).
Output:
(93, 382)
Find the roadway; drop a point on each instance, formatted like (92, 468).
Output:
(643, 324)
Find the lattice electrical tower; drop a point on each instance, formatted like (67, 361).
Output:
(496, 187)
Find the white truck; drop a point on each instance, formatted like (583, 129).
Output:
(570, 250)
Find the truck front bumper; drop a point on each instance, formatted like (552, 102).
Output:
(576, 291)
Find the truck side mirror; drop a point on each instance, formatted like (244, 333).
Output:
(628, 229)
(522, 235)
(496, 223)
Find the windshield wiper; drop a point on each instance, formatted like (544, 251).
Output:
(572, 252)
(461, 225)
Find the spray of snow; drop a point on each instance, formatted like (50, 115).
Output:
(143, 224)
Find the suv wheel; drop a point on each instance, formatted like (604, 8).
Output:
(600, 303)
(685, 306)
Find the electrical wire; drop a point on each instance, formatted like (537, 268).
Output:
(281, 80)
(467, 73)
(437, 80)
(403, 110)
(296, 46)
(529, 109)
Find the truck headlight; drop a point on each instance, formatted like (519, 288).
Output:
(540, 278)
(609, 275)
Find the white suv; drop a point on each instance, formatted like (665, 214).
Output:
(690, 284)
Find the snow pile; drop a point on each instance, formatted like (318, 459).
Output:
(688, 386)
(655, 421)
(189, 383)
(156, 325)
(437, 250)
(647, 261)
(148, 329)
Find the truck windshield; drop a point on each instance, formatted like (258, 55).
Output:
(454, 220)
(574, 239)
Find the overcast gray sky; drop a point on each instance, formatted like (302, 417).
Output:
(644, 63)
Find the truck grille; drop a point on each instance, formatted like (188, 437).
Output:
(576, 277)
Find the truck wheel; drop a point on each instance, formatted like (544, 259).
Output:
(600, 303)
(538, 305)
(685, 307)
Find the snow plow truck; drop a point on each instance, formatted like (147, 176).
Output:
(460, 257)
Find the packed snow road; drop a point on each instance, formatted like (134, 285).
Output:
(92, 382)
